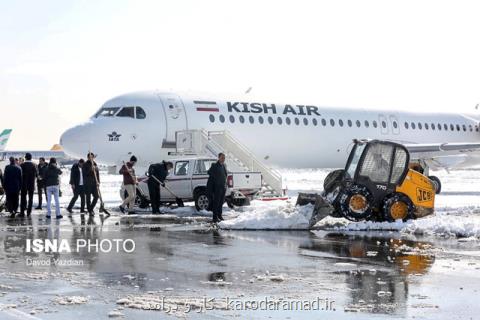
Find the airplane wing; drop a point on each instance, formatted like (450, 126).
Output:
(443, 147)
(443, 155)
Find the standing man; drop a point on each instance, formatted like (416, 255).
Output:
(91, 180)
(157, 174)
(12, 179)
(76, 182)
(217, 186)
(130, 184)
(41, 189)
(52, 182)
(30, 173)
(1, 177)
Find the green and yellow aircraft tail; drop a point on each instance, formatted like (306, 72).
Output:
(4, 136)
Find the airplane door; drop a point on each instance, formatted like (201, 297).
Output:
(383, 123)
(175, 117)
(394, 124)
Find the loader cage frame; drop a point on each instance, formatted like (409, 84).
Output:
(378, 163)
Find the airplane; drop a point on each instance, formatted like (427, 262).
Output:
(56, 150)
(288, 135)
(4, 136)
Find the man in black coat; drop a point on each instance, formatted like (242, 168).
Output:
(30, 173)
(91, 180)
(1, 177)
(41, 189)
(217, 186)
(12, 179)
(78, 187)
(157, 173)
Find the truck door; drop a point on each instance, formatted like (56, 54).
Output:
(175, 117)
(180, 181)
(383, 123)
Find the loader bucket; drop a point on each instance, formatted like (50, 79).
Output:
(321, 209)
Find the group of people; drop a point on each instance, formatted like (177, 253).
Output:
(157, 174)
(20, 177)
(85, 184)
(19, 180)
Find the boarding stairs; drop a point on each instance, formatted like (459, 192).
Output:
(238, 156)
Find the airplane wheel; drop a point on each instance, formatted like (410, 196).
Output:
(355, 203)
(436, 183)
(398, 206)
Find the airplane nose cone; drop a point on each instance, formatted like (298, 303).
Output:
(75, 141)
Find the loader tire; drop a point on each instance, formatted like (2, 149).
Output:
(355, 203)
(436, 182)
(398, 206)
(332, 180)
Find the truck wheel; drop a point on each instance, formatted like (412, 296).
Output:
(239, 202)
(398, 206)
(140, 201)
(332, 180)
(436, 182)
(230, 204)
(202, 202)
(355, 203)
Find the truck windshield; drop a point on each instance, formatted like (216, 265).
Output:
(355, 159)
(106, 112)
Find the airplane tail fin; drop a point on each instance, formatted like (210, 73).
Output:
(4, 136)
(56, 147)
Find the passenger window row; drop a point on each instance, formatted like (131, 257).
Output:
(341, 123)
(432, 126)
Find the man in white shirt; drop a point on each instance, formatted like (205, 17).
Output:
(78, 188)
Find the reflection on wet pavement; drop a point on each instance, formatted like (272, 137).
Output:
(380, 284)
(365, 274)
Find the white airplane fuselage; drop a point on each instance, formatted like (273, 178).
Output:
(286, 135)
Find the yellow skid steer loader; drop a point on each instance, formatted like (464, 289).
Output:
(376, 184)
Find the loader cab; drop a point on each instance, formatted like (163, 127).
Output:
(381, 166)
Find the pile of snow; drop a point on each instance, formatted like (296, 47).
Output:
(274, 215)
(444, 224)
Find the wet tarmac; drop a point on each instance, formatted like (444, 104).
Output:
(184, 268)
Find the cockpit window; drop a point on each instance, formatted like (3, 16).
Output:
(141, 113)
(106, 112)
(128, 112)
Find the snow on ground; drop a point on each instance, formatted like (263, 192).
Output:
(457, 208)
(270, 215)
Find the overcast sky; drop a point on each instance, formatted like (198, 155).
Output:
(60, 60)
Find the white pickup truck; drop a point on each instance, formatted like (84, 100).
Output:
(188, 181)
